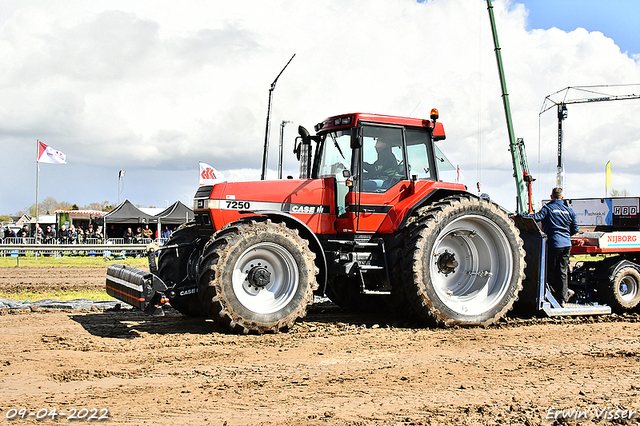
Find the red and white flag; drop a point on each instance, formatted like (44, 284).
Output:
(46, 154)
(459, 176)
(209, 175)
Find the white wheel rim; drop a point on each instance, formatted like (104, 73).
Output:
(628, 288)
(484, 267)
(283, 278)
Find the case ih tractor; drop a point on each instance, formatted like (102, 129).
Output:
(368, 221)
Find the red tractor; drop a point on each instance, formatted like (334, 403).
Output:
(367, 222)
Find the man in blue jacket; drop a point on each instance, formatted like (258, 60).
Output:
(559, 223)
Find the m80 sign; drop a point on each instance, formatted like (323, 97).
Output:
(625, 210)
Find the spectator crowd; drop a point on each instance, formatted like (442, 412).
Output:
(77, 235)
(49, 235)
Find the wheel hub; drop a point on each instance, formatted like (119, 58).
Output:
(624, 290)
(259, 277)
(447, 263)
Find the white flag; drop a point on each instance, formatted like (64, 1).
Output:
(209, 175)
(46, 154)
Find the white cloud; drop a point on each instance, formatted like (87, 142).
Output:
(156, 86)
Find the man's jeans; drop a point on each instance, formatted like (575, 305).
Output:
(558, 272)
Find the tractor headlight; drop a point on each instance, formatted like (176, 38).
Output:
(206, 204)
(341, 121)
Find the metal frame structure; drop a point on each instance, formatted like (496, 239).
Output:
(597, 95)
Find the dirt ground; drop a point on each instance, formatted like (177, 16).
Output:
(332, 368)
(41, 279)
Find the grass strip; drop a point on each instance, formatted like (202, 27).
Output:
(67, 261)
(57, 295)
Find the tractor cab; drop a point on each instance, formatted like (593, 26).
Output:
(374, 160)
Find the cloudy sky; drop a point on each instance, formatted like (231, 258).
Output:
(153, 87)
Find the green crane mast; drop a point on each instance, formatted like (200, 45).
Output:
(524, 198)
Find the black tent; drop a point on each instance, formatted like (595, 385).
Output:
(127, 213)
(176, 214)
(123, 216)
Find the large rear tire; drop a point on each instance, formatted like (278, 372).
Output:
(176, 267)
(257, 276)
(464, 262)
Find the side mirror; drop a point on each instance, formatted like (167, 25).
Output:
(355, 141)
(296, 148)
(349, 178)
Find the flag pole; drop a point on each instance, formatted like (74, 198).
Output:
(37, 175)
(37, 184)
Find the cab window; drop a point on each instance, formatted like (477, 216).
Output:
(418, 154)
(382, 158)
(336, 157)
(447, 172)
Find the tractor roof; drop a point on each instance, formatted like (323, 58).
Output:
(346, 121)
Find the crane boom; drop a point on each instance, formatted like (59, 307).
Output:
(598, 97)
(520, 168)
(562, 111)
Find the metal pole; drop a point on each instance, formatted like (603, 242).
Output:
(284, 123)
(37, 183)
(37, 175)
(562, 110)
(521, 189)
(120, 176)
(265, 153)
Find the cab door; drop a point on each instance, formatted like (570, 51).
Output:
(383, 175)
(335, 157)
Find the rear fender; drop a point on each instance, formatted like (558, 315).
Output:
(614, 269)
(431, 197)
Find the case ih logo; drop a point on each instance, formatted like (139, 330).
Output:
(625, 210)
(296, 208)
(617, 239)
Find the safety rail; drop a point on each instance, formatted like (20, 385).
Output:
(101, 249)
(19, 240)
(33, 240)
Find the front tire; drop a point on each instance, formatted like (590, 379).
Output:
(257, 276)
(464, 264)
(623, 292)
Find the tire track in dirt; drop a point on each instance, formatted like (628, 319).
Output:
(333, 367)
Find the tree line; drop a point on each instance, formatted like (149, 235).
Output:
(50, 204)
